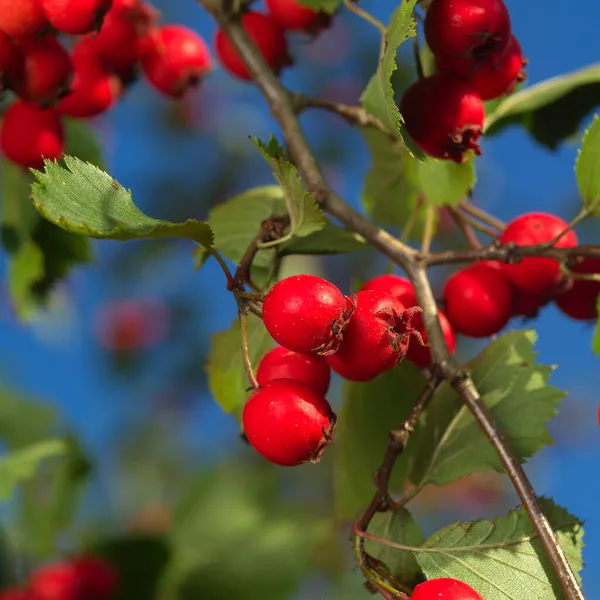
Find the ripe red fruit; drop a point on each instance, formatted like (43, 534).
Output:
(537, 276)
(281, 363)
(269, 38)
(59, 581)
(98, 579)
(478, 301)
(29, 134)
(48, 70)
(376, 338)
(306, 314)
(75, 16)
(526, 304)
(22, 18)
(178, 60)
(579, 302)
(444, 116)
(467, 28)
(394, 285)
(94, 88)
(11, 62)
(446, 588)
(293, 16)
(288, 422)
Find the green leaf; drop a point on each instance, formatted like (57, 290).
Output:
(369, 411)
(326, 6)
(227, 377)
(305, 215)
(551, 110)
(587, 166)
(378, 97)
(330, 240)
(400, 527)
(85, 200)
(443, 182)
(449, 443)
(596, 339)
(20, 465)
(503, 559)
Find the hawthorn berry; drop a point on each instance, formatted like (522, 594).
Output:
(48, 70)
(21, 18)
(281, 363)
(376, 338)
(11, 62)
(98, 579)
(293, 16)
(391, 284)
(269, 38)
(58, 581)
(538, 276)
(178, 60)
(444, 116)
(526, 304)
(29, 134)
(75, 16)
(580, 300)
(288, 422)
(306, 314)
(478, 301)
(446, 588)
(472, 29)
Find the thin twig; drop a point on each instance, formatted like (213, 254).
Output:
(222, 264)
(483, 215)
(478, 226)
(245, 353)
(417, 58)
(428, 230)
(465, 227)
(363, 14)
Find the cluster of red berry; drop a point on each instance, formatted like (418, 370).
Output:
(79, 578)
(112, 39)
(477, 58)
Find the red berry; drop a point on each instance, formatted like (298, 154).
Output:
(75, 16)
(97, 578)
(48, 70)
(21, 18)
(11, 62)
(536, 275)
(293, 16)
(94, 88)
(269, 38)
(478, 300)
(394, 285)
(467, 28)
(493, 77)
(446, 589)
(306, 314)
(526, 304)
(17, 594)
(579, 302)
(288, 422)
(280, 363)
(444, 116)
(177, 62)
(59, 581)
(30, 134)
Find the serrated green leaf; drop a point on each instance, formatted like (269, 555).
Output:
(503, 559)
(551, 110)
(378, 97)
(450, 444)
(445, 183)
(330, 240)
(85, 200)
(227, 377)
(369, 411)
(587, 167)
(326, 6)
(305, 215)
(400, 527)
(20, 465)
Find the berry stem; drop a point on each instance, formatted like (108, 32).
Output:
(429, 229)
(482, 215)
(223, 265)
(363, 14)
(245, 353)
(466, 228)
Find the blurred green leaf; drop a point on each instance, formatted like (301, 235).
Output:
(326, 6)
(445, 183)
(369, 411)
(551, 110)
(450, 443)
(108, 211)
(227, 377)
(503, 558)
(587, 166)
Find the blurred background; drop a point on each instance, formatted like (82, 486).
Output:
(121, 351)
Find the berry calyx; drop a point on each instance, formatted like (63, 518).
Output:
(538, 276)
(444, 116)
(269, 38)
(394, 285)
(22, 18)
(29, 134)
(478, 301)
(293, 16)
(281, 363)
(288, 422)
(472, 29)
(177, 61)
(376, 338)
(446, 588)
(75, 16)
(306, 314)
(580, 301)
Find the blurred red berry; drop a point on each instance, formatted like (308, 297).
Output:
(75, 16)
(20, 18)
(580, 301)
